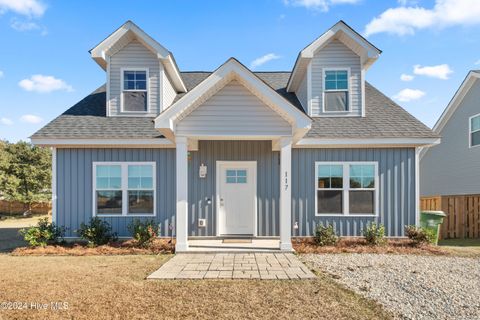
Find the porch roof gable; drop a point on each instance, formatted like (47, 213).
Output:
(232, 69)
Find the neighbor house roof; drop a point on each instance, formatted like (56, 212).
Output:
(383, 117)
(467, 83)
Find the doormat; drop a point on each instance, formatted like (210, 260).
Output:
(237, 240)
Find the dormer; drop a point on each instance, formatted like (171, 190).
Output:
(142, 76)
(329, 74)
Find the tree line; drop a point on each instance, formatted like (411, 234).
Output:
(25, 172)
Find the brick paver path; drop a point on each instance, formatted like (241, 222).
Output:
(233, 266)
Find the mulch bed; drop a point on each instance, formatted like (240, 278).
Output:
(308, 245)
(128, 247)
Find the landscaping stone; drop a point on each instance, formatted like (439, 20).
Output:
(410, 286)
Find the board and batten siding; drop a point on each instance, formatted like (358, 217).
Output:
(396, 169)
(202, 189)
(233, 110)
(452, 167)
(336, 55)
(75, 183)
(134, 55)
(396, 186)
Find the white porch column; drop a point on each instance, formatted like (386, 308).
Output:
(285, 193)
(182, 194)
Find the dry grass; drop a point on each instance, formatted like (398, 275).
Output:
(20, 221)
(114, 287)
(128, 247)
(360, 246)
(469, 248)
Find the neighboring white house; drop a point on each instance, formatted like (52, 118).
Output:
(453, 167)
(235, 152)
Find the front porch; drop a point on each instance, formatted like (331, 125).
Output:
(237, 245)
(233, 189)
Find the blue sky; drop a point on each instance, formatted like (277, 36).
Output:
(45, 66)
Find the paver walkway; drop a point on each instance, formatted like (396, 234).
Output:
(233, 266)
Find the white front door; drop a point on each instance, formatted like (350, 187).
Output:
(236, 197)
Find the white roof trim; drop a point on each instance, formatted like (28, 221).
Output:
(369, 55)
(456, 100)
(232, 69)
(360, 142)
(99, 53)
(452, 106)
(141, 143)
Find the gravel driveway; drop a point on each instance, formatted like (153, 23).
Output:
(410, 286)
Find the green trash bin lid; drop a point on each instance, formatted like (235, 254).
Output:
(434, 213)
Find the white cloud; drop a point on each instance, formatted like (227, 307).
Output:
(406, 20)
(27, 25)
(407, 2)
(24, 7)
(43, 84)
(406, 77)
(477, 62)
(24, 25)
(30, 118)
(6, 121)
(409, 94)
(441, 71)
(322, 5)
(264, 59)
(1, 74)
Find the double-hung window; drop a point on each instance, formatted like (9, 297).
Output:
(335, 90)
(134, 90)
(346, 188)
(124, 188)
(475, 130)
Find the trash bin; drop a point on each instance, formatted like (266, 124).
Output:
(432, 220)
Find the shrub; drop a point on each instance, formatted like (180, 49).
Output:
(375, 234)
(325, 235)
(144, 232)
(97, 232)
(419, 235)
(43, 233)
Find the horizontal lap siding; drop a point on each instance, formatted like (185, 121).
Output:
(169, 92)
(302, 93)
(75, 194)
(452, 167)
(234, 110)
(134, 55)
(336, 55)
(201, 189)
(396, 168)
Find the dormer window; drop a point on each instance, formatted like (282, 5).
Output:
(134, 90)
(336, 90)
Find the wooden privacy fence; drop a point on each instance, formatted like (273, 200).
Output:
(15, 207)
(463, 214)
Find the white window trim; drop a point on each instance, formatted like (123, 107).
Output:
(124, 170)
(346, 188)
(470, 132)
(122, 90)
(348, 69)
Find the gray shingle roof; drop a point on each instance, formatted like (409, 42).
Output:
(384, 118)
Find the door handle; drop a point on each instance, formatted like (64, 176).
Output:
(221, 202)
